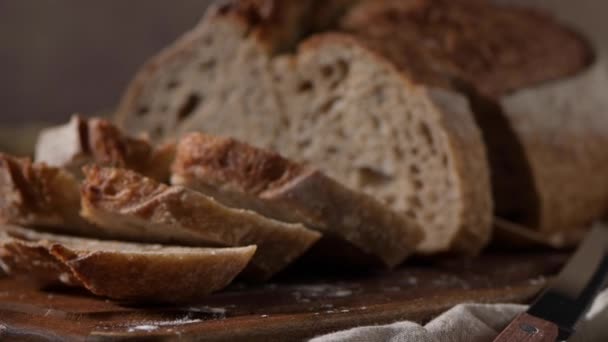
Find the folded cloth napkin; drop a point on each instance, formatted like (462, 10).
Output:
(470, 323)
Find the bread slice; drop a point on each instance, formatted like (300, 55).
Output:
(85, 141)
(344, 109)
(242, 176)
(119, 270)
(357, 97)
(129, 206)
(41, 196)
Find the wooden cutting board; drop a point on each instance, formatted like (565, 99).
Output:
(292, 308)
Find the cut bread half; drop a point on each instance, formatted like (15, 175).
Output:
(119, 270)
(129, 206)
(357, 97)
(40, 196)
(562, 127)
(242, 176)
(97, 141)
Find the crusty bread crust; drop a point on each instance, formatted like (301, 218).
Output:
(495, 49)
(119, 270)
(98, 141)
(563, 128)
(129, 206)
(243, 176)
(37, 195)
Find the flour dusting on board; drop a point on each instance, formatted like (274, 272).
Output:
(303, 292)
(150, 326)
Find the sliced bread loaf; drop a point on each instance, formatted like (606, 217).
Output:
(129, 206)
(119, 270)
(242, 176)
(97, 141)
(340, 106)
(353, 100)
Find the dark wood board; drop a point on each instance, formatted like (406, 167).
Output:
(289, 309)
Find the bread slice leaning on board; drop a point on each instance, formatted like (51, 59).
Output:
(416, 103)
(120, 270)
(128, 206)
(242, 176)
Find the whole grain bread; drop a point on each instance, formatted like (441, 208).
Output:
(40, 196)
(129, 206)
(356, 96)
(119, 270)
(242, 176)
(97, 141)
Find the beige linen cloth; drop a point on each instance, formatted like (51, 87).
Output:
(470, 323)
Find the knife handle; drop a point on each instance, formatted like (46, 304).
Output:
(529, 328)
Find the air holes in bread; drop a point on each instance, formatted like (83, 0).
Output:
(426, 134)
(189, 107)
(328, 105)
(335, 73)
(207, 65)
(370, 176)
(305, 86)
(327, 71)
(379, 95)
(375, 122)
(416, 202)
(158, 131)
(143, 111)
(172, 85)
(331, 150)
(304, 144)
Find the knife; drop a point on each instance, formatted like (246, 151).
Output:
(553, 316)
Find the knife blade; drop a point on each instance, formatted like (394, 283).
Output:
(555, 313)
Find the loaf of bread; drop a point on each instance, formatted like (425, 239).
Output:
(242, 176)
(119, 270)
(128, 206)
(41, 196)
(98, 141)
(411, 102)
(341, 106)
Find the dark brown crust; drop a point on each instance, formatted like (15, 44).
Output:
(37, 195)
(134, 207)
(100, 142)
(119, 270)
(496, 49)
(237, 165)
(282, 189)
(33, 260)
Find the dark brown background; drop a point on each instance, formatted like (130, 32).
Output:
(63, 56)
